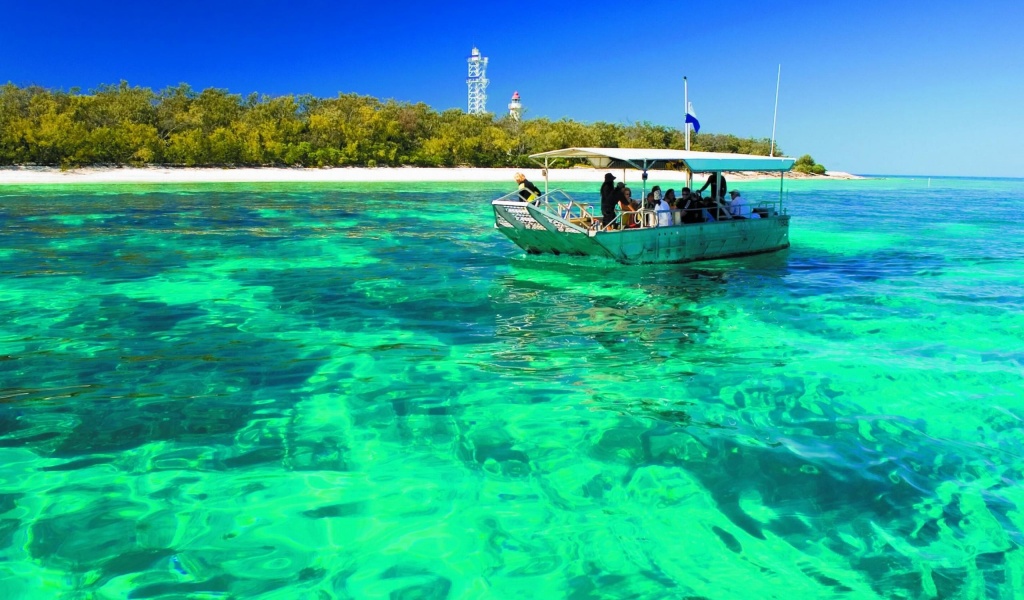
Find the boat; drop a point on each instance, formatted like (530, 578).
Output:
(558, 224)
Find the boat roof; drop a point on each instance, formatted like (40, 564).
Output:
(655, 158)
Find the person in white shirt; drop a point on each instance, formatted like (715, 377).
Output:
(664, 209)
(739, 208)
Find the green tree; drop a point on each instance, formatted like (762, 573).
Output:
(645, 135)
(122, 124)
(15, 124)
(806, 164)
(52, 133)
(172, 111)
(270, 132)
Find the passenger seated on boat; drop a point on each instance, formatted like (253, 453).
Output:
(675, 203)
(630, 200)
(721, 210)
(718, 209)
(688, 204)
(619, 195)
(710, 210)
(628, 205)
(738, 207)
(653, 199)
(527, 191)
(664, 209)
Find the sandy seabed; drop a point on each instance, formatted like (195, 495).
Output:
(30, 175)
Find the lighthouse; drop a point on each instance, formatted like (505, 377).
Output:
(515, 107)
(477, 82)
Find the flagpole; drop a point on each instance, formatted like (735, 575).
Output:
(686, 111)
(775, 117)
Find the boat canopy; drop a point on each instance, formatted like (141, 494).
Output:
(653, 158)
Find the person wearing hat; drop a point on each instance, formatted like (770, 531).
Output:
(655, 197)
(738, 207)
(608, 200)
(527, 191)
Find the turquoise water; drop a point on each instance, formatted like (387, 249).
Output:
(365, 391)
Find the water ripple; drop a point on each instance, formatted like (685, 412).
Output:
(363, 391)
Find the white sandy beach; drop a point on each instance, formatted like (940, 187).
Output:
(100, 175)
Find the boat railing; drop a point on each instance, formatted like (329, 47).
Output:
(631, 219)
(769, 208)
(559, 203)
(647, 219)
(511, 197)
(582, 214)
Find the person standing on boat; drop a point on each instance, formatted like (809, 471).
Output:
(713, 181)
(527, 191)
(607, 200)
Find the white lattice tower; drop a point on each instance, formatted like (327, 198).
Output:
(477, 83)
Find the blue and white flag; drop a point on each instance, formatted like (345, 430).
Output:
(690, 119)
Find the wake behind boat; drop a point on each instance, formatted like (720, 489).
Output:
(556, 223)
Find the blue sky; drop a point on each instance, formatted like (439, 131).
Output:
(917, 88)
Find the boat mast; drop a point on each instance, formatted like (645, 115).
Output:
(782, 180)
(775, 117)
(686, 107)
(771, 152)
(686, 128)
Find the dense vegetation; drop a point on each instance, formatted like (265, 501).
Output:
(125, 125)
(806, 164)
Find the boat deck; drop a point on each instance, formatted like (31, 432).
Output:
(558, 224)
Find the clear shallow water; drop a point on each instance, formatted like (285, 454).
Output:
(364, 391)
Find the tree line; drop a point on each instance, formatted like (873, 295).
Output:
(128, 125)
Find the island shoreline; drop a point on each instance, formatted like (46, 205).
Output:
(36, 175)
